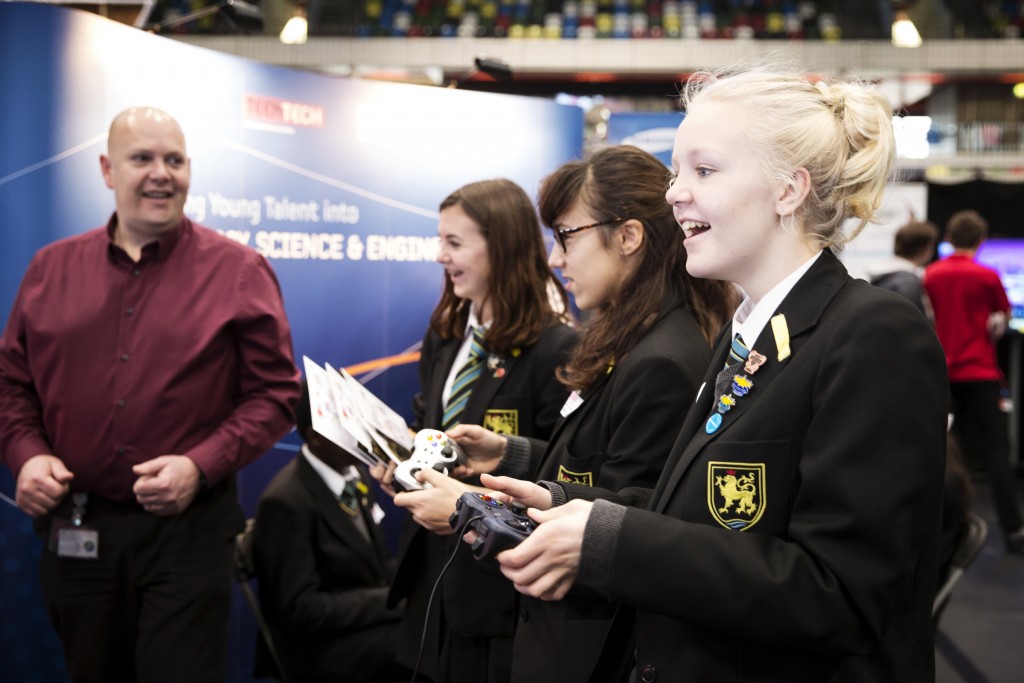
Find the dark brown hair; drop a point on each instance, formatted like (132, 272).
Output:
(915, 238)
(522, 289)
(625, 182)
(966, 229)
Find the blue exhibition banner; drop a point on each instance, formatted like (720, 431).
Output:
(654, 132)
(337, 181)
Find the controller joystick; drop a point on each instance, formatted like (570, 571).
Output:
(498, 526)
(431, 449)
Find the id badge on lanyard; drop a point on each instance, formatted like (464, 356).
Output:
(73, 538)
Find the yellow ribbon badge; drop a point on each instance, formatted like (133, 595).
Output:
(781, 331)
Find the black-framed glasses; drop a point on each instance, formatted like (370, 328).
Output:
(560, 233)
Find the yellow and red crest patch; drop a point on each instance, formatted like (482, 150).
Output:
(504, 422)
(569, 477)
(736, 493)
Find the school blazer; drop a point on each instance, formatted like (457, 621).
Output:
(516, 394)
(621, 435)
(799, 540)
(322, 583)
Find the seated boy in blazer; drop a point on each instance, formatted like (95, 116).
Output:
(323, 569)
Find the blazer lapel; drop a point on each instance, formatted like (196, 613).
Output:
(802, 308)
(573, 420)
(371, 525)
(442, 367)
(694, 421)
(337, 520)
(496, 369)
(765, 345)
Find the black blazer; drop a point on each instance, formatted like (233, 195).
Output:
(620, 436)
(831, 470)
(322, 583)
(521, 396)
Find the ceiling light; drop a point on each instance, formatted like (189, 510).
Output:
(904, 33)
(295, 31)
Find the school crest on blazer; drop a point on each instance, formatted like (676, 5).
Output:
(567, 476)
(502, 421)
(736, 493)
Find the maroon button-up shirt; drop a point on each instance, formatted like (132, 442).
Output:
(107, 363)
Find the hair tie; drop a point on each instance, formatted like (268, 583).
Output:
(834, 101)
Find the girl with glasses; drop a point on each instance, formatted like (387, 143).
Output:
(633, 375)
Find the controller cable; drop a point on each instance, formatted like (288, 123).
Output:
(426, 619)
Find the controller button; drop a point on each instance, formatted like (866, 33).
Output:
(453, 519)
(439, 467)
(648, 674)
(517, 507)
(484, 498)
(477, 544)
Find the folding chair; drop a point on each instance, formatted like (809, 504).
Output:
(966, 552)
(245, 572)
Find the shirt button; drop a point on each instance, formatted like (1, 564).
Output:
(124, 356)
(120, 451)
(523, 616)
(130, 311)
(121, 403)
(136, 272)
(648, 674)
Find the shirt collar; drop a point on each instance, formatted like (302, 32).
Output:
(749, 319)
(158, 249)
(334, 480)
(472, 321)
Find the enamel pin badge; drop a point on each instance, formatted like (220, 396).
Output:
(740, 386)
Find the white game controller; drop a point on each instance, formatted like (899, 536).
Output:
(431, 449)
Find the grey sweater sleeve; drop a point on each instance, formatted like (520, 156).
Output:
(558, 496)
(600, 538)
(516, 460)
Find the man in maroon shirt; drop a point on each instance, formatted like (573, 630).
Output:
(971, 310)
(143, 364)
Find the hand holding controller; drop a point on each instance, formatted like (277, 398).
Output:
(500, 525)
(431, 449)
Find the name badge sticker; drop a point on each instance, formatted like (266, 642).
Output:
(571, 404)
(377, 513)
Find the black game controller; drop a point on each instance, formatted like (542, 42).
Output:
(500, 525)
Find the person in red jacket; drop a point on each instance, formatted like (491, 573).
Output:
(971, 310)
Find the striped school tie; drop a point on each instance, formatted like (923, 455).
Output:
(738, 352)
(462, 387)
(349, 498)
